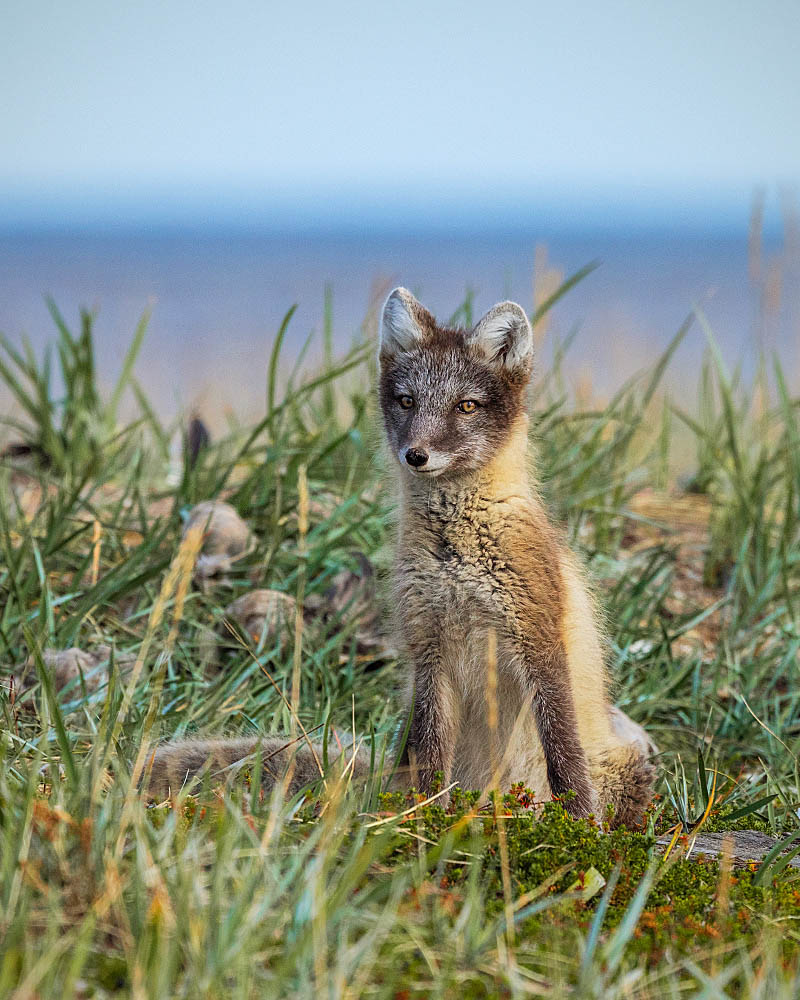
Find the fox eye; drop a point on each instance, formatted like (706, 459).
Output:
(467, 406)
(406, 401)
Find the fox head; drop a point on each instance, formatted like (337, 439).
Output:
(451, 397)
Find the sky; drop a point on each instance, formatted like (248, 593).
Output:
(175, 111)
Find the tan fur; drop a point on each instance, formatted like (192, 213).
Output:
(585, 658)
(176, 765)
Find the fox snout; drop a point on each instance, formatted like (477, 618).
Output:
(421, 460)
(416, 457)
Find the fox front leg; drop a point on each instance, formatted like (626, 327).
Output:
(547, 679)
(434, 721)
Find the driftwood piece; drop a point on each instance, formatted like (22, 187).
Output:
(746, 846)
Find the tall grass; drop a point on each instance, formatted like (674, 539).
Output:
(349, 894)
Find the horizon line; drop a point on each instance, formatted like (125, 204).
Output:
(464, 208)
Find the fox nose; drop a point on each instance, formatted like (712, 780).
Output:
(416, 457)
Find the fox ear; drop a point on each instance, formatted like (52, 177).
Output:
(402, 323)
(504, 336)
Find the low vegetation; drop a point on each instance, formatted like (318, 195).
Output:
(348, 891)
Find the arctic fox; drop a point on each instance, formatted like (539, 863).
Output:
(494, 618)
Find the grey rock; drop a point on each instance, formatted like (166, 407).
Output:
(226, 537)
(263, 612)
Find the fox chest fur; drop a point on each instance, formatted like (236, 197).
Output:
(467, 565)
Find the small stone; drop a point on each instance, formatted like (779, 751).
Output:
(67, 666)
(263, 612)
(226, 537)
(351, 598)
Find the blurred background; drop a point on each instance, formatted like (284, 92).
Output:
(218, 163)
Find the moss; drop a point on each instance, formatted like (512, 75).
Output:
(689, 908)
(719, 823)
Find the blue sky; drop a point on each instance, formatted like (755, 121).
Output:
(197, 111)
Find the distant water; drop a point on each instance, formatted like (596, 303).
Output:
(218, 299)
